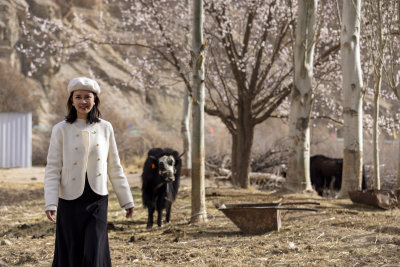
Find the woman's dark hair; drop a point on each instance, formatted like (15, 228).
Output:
(93, 115)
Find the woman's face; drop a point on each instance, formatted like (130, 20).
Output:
(83, 101)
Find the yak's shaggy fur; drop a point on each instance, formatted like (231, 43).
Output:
(160, 182)
(326, 172)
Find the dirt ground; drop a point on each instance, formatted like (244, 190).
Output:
(340, 233)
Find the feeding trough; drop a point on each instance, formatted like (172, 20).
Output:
(383, 199)
(259, 218)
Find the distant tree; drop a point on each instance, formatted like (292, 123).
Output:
(249, 71)
(298, 174)
(198, 52)
(353, 97)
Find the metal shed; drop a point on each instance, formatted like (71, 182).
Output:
(15, 140)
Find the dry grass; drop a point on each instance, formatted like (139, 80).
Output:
(339, 234)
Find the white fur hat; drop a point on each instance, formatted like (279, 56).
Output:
(83, 83)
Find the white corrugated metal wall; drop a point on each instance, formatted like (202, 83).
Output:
(15, 140)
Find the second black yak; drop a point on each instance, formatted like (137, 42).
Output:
(325, 170)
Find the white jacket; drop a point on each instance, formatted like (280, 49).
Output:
(72, 153)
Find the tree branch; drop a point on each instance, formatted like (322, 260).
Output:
(273, 106)
(275, 53)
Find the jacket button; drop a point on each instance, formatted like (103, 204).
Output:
(94, 132)
(99, 174)
(98, 159)
(73, 179)
(76, 148)
(77, 135)
(97, 144)
(75, 163)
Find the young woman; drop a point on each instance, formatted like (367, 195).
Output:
(82, 154)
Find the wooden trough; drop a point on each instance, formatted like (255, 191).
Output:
(383, 199)
(259, 218)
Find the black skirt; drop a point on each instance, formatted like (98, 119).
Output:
(81, 231)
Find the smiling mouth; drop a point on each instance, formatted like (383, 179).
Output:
(83, 107)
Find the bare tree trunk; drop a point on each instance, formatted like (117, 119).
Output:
(377, 91)
(234, 161)
(378, 70)
(199, 213)
(298, 175)
(242, 143)
(185, 123)
(241, 153)
(353, 97)
(185, 130)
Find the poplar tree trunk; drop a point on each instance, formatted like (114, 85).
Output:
(185, 131)
(378, 64)
(185, 123)
(199, 213)
(298, 175)
(353, 97)
(377, 91)
(375, 133)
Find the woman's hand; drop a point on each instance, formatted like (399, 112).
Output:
(129, 212)
(51, 215)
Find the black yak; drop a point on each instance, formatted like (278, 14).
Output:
(160, 182)
(324, 171)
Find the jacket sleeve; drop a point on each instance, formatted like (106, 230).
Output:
(53, 169)
(116, 173)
